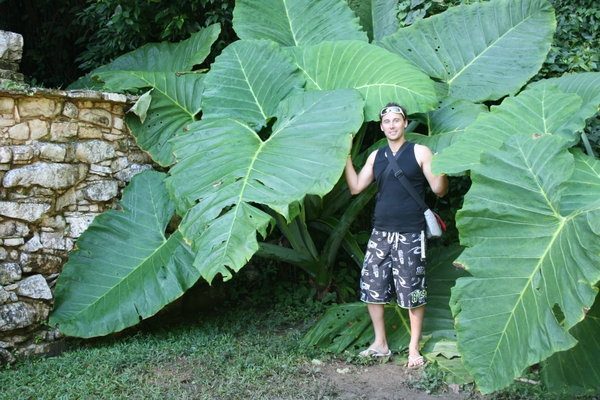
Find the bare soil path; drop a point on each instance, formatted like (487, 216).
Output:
(386, 381)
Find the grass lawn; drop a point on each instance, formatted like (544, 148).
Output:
(240, 353)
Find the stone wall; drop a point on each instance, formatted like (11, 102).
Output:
(65, 157)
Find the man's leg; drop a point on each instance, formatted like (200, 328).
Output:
(376, 312)
(416, 325)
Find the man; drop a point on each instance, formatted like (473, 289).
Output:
(393, 261)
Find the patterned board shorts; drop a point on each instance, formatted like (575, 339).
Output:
(393, 264)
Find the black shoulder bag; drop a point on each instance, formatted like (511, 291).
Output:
(435, 224)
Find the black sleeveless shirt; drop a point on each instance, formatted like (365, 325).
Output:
(395, 208)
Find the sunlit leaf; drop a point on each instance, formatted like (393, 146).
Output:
(446, 123)
(133, 276)
(296, 22)
(304, 154)
(130, 70)
(175, 100)
(176, 96)
(379, 75)
(526, 237)
(248, 81)
(483, 51)
(543, 109)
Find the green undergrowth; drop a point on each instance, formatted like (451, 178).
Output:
(246, 347)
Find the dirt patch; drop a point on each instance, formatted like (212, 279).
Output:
(384, 381)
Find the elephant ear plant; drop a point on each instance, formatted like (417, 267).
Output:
(255, 144)
(243, 143)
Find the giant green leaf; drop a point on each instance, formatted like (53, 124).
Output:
(176, 95)
(138, 67)
(248, 81)
(446, 123)
(304, 154)
(581, 188)
(533, 247)
(483, 51)
(385, 20)
(175, 101)
(347, 327)
(296, 22)
(576, 370)
(127, 71)
(538, 110)
(125, 267)
(379, 75)
(438, 326)
(586, 85)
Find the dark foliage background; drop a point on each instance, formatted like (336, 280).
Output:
(64, 39)
(50, 38)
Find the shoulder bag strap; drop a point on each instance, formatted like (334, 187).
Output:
(386, 149)
(398, 173)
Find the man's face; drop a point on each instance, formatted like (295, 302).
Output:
(393, 125)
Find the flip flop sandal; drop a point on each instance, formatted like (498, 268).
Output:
(374, 353)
